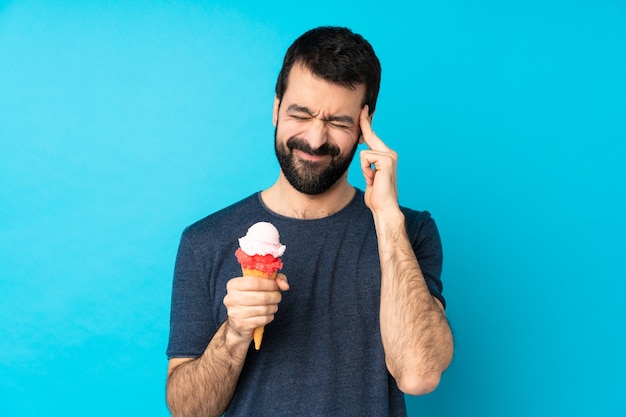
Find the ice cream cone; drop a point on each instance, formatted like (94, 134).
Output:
(259, 256)
(258, 332)
(256, 273)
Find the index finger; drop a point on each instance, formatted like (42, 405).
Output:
(370, 138)
(248, 283)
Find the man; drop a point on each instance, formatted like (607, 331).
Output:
(361, 320)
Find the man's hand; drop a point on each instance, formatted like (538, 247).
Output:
(379, 166)
(252, 302)
(204, 386)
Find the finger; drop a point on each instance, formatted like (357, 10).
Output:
(251, 284)
(250, 288)
(256, 312)
(241, 309)
(370, 138)
(282, 282)
(366, 167)
(245, 324)
(260, 298)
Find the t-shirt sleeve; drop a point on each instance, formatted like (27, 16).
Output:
(191, 325)
(428, 250)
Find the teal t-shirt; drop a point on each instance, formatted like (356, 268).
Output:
(322, 355)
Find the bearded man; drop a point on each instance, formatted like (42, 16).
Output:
(362, 319)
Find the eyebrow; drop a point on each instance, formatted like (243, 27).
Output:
(338, 118)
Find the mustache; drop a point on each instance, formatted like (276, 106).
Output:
(302, 145)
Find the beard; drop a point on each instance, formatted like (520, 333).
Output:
(311, 177)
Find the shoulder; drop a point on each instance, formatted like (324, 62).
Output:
(221, 222)
(421, 228)
(416, 220)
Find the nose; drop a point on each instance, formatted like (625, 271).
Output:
(316, 134)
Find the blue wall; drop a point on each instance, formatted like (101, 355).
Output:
(123, 122)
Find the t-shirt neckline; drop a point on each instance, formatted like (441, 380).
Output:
(358, 195)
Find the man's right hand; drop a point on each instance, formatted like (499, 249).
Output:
(205, 385)
(251, 302)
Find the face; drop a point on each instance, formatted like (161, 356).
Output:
(317, 130)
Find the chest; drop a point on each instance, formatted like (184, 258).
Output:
(333, 272)
(337, 273)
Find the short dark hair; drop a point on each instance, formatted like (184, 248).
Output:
(337, 55)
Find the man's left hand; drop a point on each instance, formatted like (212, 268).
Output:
(379, 166)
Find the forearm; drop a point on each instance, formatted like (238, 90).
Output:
(415, 332)
(205, 386)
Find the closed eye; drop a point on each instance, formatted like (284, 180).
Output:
(340, 126)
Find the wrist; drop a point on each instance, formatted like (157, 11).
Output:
(233, 340)
(390, 217)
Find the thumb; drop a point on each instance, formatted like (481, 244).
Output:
(283, 283)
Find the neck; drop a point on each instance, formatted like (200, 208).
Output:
(285, 200)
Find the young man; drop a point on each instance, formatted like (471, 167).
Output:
(361, 320)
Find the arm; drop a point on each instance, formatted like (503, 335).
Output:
(416, 336)
(415, 332)
(205, 386)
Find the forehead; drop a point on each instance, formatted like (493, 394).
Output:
(306, 89)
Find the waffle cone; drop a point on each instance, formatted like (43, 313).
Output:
(258, 332)
(256, 273)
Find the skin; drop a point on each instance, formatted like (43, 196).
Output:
(318, 112)
(416, 336)
(415, 332)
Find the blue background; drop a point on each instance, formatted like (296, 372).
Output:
(121, 122)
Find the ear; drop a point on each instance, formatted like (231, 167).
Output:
(275, 111)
